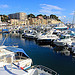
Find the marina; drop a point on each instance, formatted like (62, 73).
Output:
(60, 59)
(16, 62)
(37, 37)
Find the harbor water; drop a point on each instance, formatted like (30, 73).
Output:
(58, 59)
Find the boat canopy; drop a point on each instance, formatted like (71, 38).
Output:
(15, 50)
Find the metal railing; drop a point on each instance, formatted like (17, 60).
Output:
(50, 71)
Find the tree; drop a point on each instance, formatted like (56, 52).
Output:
(4, 18)
(31, 15)
(44, 16)
(54, 17)
(40, 15)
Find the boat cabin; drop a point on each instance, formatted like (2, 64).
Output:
(64, 36)
(15, 56)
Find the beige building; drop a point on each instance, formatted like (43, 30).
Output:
(52, 21)
(55, 21)
(18, 22)
(37, 21)
(21, 19)
(49, 21)
(13, 21)
(44, 21)
(18, 18)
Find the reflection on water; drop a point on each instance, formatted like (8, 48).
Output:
(16, 39)
(63, 51)
(58, 59)
(0, 36)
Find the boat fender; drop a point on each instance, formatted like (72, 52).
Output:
(22, 68)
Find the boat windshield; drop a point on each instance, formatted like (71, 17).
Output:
(67, 37)
(44, 34)
(20, 55)
(64, 37)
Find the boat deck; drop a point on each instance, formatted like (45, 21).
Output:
(13, 70)
(8, 70)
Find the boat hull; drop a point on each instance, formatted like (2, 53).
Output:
(44, 41)
(60, 44)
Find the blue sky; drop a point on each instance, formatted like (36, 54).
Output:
(62, 8)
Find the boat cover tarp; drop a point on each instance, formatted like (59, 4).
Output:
(15, 50)
(5, 30)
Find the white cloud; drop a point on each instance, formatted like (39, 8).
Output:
(62, 17)
(73, 12)
(4, 6)
(50, 9)
(59, 17)
(51, 6)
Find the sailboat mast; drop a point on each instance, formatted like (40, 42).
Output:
(73, 18)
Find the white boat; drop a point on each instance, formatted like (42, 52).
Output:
(56, 32)
(63, 40)
(61, 26)
(31, 34)
(46, 37)
(14, 61)
(14, 55)
(72, 47)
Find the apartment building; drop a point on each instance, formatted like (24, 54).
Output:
(37, 21)
(18, 18)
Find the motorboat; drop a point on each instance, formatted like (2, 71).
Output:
(14, 61)
(31, 34)
(9, 54)
(46, 37)
(72, 47)
(64, 40)
(61, 26)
